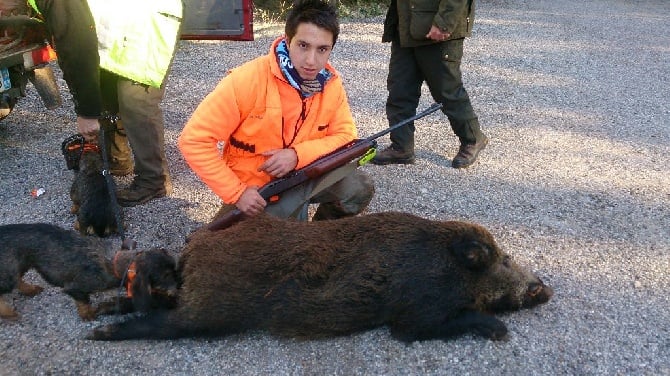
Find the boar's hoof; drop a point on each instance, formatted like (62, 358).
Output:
(483, 325)
(101, 333)
(494, 330)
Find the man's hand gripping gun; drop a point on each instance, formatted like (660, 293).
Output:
(363, 148)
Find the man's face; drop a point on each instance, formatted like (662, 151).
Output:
(309, 49)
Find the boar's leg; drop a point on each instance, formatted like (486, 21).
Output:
(156, 325)
(153, 325)
(477, 323)
(473, 322)
(118, 306)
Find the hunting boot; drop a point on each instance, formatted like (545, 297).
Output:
(116, 147)
(468, 153)
(401, 150)
(473, 141)
(393, 155)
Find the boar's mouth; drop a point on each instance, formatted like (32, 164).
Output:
(537, 293)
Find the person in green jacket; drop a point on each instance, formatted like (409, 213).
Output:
(427, 45)
(115, 57)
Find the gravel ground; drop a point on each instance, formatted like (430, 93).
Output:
(575, 183)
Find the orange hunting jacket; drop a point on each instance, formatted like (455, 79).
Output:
(248, 112)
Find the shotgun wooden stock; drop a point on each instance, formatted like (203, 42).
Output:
(319, 167)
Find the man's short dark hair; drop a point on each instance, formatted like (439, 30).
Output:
(317, 12)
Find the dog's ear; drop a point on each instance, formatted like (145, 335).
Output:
(141, 289)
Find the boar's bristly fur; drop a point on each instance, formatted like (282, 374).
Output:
(425, 279)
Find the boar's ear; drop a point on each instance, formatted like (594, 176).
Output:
(473, 254)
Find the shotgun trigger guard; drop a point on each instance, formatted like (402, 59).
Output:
(367, 157)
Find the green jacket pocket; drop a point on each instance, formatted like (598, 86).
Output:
(420, 23)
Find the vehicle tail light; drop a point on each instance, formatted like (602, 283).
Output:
(38, 57)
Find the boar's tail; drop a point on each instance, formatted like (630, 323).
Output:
(154, 325)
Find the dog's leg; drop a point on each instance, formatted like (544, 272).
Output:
(6, 311)
(83, 302)
(28, 289)
(85, 310)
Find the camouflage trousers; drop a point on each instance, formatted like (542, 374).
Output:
(343, 192)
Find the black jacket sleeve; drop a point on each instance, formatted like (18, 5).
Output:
(73, 31)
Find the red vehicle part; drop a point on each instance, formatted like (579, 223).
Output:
(24, 57)
(218, 20)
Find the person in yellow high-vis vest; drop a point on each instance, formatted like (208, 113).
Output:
(115, 57)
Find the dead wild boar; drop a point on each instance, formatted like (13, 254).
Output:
(422, 278)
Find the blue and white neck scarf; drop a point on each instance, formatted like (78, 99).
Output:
(306, 87)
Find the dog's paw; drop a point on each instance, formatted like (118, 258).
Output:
(7, 312)
(29, 289)
(86, 311)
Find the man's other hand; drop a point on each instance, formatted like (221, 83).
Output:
(280, 162)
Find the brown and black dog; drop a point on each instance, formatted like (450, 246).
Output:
(79, 265)
(90, 194)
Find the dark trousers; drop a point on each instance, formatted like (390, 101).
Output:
(140, 114)
(439, 65)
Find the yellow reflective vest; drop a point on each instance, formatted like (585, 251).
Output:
(136, 38)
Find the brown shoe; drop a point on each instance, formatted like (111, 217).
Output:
(393, 155)
(467, 153)
(137, 195)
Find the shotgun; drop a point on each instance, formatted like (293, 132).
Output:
(364, 148)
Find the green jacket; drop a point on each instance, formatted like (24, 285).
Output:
(410, 20)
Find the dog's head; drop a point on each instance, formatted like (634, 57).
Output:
(151, 277)
(91, 162)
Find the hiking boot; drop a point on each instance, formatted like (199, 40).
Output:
(467, 153)
(138, 195)
(393, 155)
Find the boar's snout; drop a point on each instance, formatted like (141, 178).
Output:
(537, 293)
